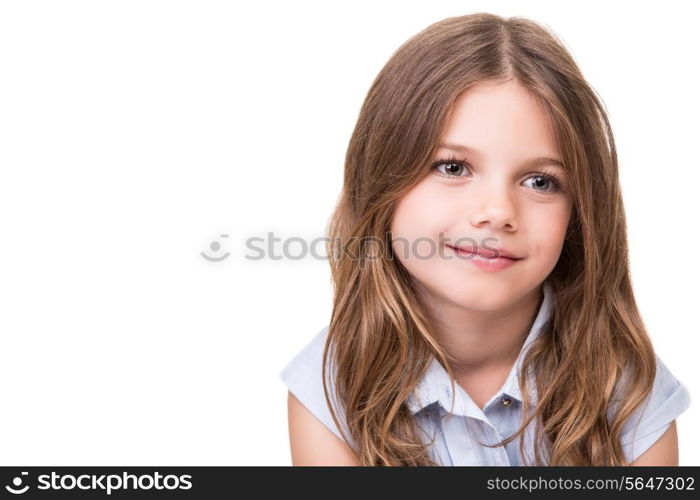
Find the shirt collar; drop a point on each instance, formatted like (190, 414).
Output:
(435, 385)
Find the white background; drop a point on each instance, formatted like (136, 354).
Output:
(134, 133)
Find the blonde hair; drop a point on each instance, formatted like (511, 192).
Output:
(379, 333)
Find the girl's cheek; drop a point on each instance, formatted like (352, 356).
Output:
(421, 212)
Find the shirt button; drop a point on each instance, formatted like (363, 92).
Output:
(506, 401)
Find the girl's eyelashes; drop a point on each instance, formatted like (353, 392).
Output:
(554, 180)
(455, 167)
(453, 163)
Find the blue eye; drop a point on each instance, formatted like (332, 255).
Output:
(551, 180)
(454, 168)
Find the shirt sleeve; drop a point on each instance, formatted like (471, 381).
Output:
(667, 400)
(303, 377)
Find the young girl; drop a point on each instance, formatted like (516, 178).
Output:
(483, 310)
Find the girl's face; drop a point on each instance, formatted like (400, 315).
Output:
(499, 198)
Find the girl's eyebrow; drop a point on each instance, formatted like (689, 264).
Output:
(535, 162)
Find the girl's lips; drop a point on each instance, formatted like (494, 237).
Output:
(485, 253)
(485, 263)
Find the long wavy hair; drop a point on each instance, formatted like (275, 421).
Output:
(593, 364)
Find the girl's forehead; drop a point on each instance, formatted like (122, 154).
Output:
(499, 117)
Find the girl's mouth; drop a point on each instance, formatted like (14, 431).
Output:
(487, 261)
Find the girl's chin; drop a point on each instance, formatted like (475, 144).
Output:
(482, 299)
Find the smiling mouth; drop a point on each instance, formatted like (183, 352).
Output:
(480, 256)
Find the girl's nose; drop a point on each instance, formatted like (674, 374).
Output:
(493, 207)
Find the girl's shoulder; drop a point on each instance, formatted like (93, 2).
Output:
(668, 399)
(303, 376)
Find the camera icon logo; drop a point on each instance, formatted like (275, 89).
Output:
(17, 482)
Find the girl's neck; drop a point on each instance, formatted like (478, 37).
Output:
(481, 341)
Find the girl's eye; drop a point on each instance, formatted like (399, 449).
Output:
(542, 179)
(453, 167)
(544, 182)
